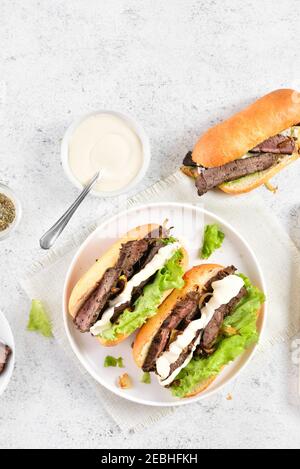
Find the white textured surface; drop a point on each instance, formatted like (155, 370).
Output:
(177, 67)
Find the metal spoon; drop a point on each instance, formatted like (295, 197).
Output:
(49, 238)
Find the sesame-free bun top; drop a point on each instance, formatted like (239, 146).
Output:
(234, 137)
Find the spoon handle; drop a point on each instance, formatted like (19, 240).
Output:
(49, 238)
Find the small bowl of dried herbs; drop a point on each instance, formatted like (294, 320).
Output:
(10, 211)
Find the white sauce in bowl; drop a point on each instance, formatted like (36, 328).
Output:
(108, 143)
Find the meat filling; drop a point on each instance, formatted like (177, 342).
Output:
(211, 332)
(89, 312)
(186, 310)
(213, 177)
(184, 354)
(276, 144)
(134, 255)
(154, 246)
(5, 352)
(188, 161)
(186, 306)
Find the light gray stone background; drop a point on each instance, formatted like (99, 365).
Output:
(177, 66)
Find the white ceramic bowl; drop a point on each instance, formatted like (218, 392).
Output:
(7, 337)
(9, 193)
(138, 129)
(188, 222)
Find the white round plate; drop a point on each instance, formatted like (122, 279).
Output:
(6, 337)
(188, 222)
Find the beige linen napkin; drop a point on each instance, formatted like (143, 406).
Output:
(276, 253)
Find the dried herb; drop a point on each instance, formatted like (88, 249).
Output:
(7, 212)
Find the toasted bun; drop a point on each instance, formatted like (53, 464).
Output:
(234, 137)
(195, 277)
(252, 181)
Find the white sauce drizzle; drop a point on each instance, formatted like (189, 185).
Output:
(223, 292)
(291, 132)
(158, 261)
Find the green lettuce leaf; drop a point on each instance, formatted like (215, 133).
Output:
(112, 361)
(213, 239)
(243, 322)
(169, 277)
(146, 378)
(39, 320)
(169, 240)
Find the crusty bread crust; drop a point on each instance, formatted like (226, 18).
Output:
(232, 138)
(92, 277)
(110, 343)
(248, 183)
(195, 277)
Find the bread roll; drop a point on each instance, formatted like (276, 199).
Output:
(234, 137)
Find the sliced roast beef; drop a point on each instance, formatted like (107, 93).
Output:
(182, 314)
(211, 331)
(119, 310)
(130, 253)
(91, 309)
(276, 144)
(207, 288)
(154, 246)
(160, 232)
(213, 177)
(182, 308)
(230, 270)
(136, 292)
(5, 352)
(184, 354)
(188, 161)
(130, 256)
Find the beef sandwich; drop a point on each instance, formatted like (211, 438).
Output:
(126, 285)
(199, 329)
(5, 352)
(248, 149)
